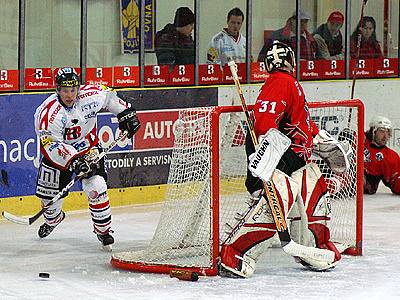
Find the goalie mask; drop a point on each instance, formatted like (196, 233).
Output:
(280, 57)
(67, 77)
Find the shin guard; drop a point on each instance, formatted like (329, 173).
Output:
(96, 190)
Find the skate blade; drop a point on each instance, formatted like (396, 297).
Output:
(107, 248)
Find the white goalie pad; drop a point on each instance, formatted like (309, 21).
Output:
(270, 150)
(336, 154)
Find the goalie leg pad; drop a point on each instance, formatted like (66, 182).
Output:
(287, 189)
(313, 192)
(259, 225)
(260, 217)
(239, 264)
(321, 234)
(95, 189)
(241, 256)
(317, 206)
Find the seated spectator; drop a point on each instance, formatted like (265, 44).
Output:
(329, 38)
(287, 35)
(380, 162)
(229, 43)
(174, 44)
(370, 47)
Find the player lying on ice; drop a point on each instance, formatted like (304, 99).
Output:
(66, 124)
(380, 161)
(281, 116)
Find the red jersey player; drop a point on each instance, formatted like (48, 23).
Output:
(380, 162)
(300, 187)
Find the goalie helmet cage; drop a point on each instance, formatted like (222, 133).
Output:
(205, 187)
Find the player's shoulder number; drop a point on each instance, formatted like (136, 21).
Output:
(267, 106)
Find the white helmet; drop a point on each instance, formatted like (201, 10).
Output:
(380, 122)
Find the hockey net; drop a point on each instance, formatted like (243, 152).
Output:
(206, 188)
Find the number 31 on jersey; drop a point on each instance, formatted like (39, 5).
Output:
(267, 106)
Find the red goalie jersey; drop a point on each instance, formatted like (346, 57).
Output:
(281, 104)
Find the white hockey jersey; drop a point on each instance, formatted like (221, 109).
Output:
(224, 47)
(66, 132)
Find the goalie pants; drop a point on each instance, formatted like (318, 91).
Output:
(51, 180)
(303, 199)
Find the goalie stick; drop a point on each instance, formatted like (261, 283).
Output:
(288, 245)
(29, 221)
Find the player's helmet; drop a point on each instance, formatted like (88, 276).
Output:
(279, 55)
(67, 77)
(380, 122)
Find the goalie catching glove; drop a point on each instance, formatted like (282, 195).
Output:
(128, 121)
(335, 154)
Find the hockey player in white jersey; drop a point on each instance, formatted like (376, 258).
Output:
(66, 124)
(229, 44)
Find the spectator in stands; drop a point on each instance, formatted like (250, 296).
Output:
(287, 35)
(329, 38)
(174, 44)
(380, 162)
(370, 47)
(229, 43)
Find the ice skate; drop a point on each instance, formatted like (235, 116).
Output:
(45, 229)
(106, 241)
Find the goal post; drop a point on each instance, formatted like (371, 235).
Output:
(205, 188)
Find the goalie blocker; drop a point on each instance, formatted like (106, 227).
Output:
(301, 191)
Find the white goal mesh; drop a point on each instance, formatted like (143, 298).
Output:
(206, 188)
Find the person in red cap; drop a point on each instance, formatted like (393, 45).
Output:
(329, 38)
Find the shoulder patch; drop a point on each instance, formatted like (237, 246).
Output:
(106, 88)
(45, 141)
(212, 54)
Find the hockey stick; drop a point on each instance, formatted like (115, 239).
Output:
(359, 37)
(29, 221)
(353, 84)
(288, 245)
(358, 47)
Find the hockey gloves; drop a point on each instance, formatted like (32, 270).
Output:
(336, 154)
(82, 167)
(128, 121)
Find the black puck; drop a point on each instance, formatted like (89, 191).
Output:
(44, 275)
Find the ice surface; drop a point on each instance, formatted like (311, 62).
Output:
(78, 268)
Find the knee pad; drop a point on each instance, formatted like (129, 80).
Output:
(94, 187)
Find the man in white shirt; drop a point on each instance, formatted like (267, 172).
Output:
(229, 43)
